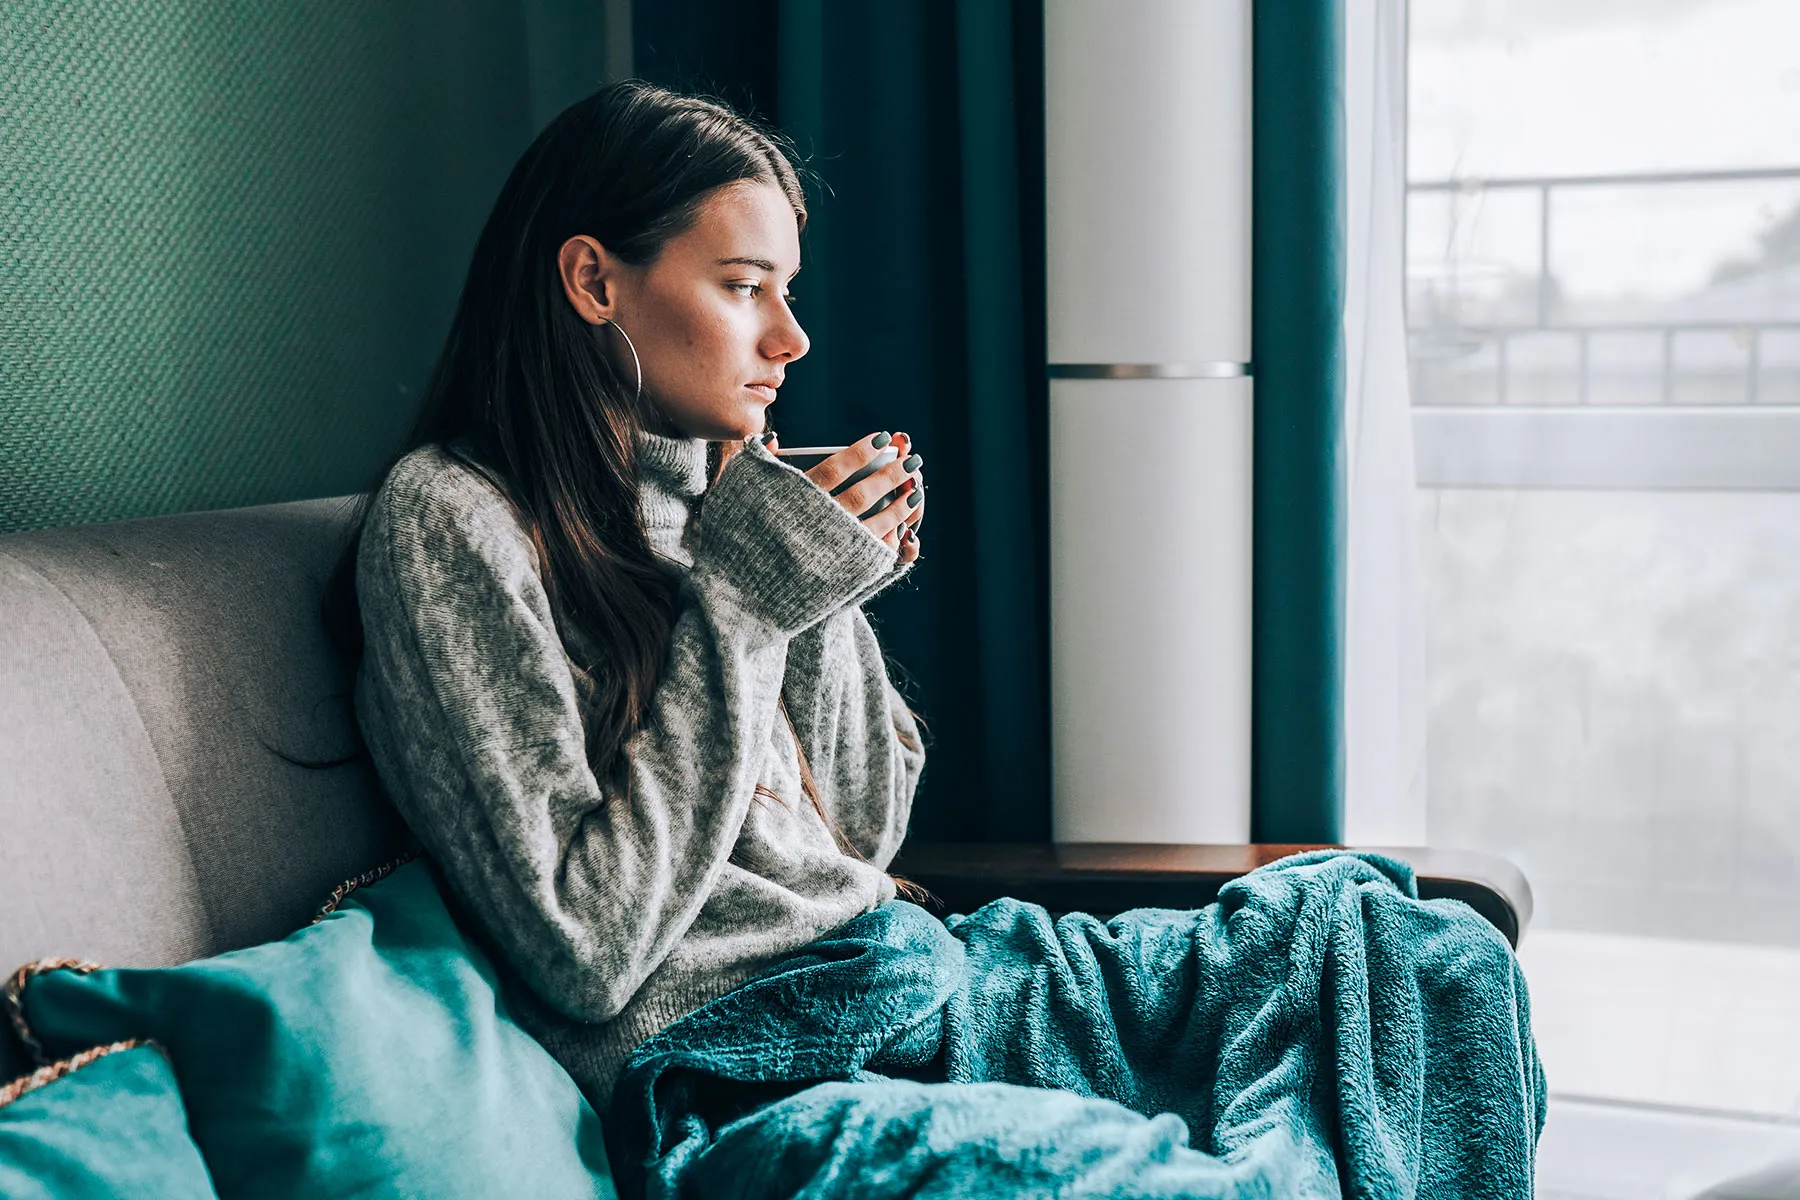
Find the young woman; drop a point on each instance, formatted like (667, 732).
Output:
(614, 669)
(623, 691)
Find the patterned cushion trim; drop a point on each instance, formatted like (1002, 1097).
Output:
(12, 998)
(364, 880)
(52, 1072)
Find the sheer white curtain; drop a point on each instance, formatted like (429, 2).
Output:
(1384, 631)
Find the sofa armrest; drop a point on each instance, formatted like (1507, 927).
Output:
(1104, 878)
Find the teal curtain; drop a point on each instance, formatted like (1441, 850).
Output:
(1297, 289)
(922, 291)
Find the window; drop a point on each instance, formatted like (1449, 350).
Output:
(1603, 312)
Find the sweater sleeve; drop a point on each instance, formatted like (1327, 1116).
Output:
(469, 707)
(861, 741)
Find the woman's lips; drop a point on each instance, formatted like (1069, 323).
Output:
(763, 390)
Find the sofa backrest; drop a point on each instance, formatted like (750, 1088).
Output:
(153, 675)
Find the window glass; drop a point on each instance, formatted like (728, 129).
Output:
(1603, 310)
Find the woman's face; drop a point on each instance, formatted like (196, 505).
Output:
(709, 317)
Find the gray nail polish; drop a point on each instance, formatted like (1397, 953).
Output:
(911, 464)
(881, 439)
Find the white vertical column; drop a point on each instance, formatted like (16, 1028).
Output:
(1147, 112)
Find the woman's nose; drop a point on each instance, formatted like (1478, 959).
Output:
(791, 341)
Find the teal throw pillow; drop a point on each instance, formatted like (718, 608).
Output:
(370, 1054)
(106, 1123)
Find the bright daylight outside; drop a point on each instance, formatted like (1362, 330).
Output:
(1603, 304)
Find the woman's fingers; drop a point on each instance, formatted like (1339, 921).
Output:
(866, 493)
(893, 521)
(909, 542)
(903, 474)
(845, 463)
(916, 516)
(912, 514)
(911, 528)
(903, 539)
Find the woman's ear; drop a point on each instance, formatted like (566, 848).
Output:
(590, 278)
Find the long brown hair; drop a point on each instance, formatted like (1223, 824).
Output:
(524, 384)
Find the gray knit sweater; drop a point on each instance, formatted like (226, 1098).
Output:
(620, 919)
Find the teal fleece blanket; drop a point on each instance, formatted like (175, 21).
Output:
(1318, 1031)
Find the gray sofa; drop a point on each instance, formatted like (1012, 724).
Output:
(153, 675)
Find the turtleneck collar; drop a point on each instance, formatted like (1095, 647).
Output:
(672, 473)
(677, 465)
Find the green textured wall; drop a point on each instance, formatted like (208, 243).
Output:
(232, 234)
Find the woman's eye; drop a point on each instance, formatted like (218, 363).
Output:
(757, 289)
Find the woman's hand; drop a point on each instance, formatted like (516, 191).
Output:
(897, 525)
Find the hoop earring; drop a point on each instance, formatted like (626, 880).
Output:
(634, 357)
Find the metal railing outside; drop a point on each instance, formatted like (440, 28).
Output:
(1447, 338)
